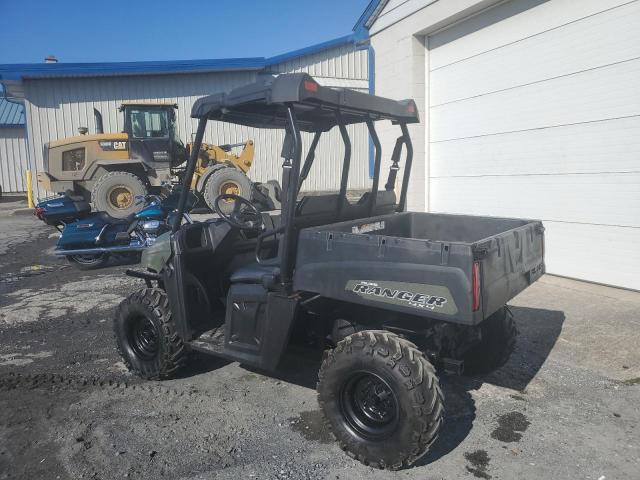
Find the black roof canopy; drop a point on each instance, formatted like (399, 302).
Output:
(263, 105)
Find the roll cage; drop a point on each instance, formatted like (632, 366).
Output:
(297, 103)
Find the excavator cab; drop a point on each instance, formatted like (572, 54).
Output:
(153, 136)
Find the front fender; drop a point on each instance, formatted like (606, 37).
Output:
(155, 257)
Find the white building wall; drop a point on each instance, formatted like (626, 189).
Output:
(13, 159)
(55, 108)
(399, 38)
(530, 109)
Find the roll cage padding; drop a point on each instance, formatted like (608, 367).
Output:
(263, 105)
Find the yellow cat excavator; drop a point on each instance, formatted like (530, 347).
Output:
(111, 169)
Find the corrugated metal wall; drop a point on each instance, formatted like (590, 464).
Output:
(57, 107)
(13, 159)
(337, 67)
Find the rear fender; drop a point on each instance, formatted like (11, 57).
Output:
(98, 168)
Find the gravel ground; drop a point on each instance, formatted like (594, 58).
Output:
(565, 406)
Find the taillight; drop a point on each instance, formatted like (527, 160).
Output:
(38, 212)
(475, 286)
(310, 86)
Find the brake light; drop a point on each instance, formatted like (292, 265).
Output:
(310, 86)
(38, 212)
(475, 286)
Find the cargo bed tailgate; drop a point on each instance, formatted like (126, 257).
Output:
(509, 262)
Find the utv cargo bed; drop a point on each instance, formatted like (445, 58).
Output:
(423, 264)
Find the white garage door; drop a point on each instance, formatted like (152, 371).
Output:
(535, 113)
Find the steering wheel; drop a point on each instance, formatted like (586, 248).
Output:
(248, 218)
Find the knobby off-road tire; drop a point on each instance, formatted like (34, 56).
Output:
(146, 336)
(115, 194)
(499, 335)
(88, 262)
(381, 398)
(226, 180)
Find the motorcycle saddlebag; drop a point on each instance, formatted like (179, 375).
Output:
(61, 210)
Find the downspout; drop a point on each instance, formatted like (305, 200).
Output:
(371, 67)
(27, 143)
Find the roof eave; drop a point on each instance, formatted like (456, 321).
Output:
(20, 72)
(318, 47)
(370, 14)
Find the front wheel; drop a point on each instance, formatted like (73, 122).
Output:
(88, 262)
(382, 399)
(146, 336)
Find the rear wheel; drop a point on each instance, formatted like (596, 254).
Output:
(88, 262)
(498, 339)
(146, 336)
(381, 398)
(116, 192)
(226, 180)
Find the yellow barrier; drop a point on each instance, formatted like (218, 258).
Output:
(29, 190)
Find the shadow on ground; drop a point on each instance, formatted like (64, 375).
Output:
(538, 330)
(201, 363)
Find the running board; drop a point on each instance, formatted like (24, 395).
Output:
(211, 342)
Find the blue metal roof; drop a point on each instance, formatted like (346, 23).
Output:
(22, 71)
(319, 47)
(11, 114)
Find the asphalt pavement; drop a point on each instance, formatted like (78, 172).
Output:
(564, 407)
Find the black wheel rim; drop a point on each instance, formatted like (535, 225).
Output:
(369, 406)
(143, 338)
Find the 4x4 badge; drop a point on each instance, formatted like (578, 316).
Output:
(431, 297)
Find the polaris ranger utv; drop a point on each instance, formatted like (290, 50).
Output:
(391, 295)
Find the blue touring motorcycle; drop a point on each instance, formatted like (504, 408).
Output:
(89, 238)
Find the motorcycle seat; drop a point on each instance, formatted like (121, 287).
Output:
(106, 218)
